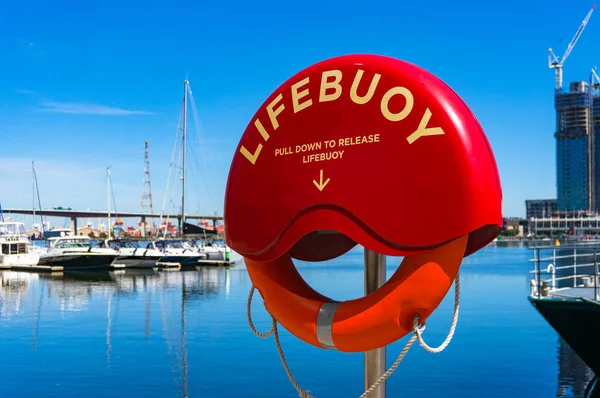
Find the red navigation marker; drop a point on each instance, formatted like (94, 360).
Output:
(361, 148)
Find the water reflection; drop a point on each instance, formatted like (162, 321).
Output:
(14, 288)
(169, 292)
(575, 378)
(142, 333)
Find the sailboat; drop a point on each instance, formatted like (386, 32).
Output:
(179, 251)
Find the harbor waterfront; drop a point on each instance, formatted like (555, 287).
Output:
(184, 333)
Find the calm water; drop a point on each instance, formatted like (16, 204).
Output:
(177, 334)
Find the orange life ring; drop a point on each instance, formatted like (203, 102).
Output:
(376, 320)
(432, 194)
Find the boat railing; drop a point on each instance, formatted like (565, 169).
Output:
(561, 267)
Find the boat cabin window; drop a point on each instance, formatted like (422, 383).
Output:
(161, 244)
(174, 244)
(14, 248)
(71, 245)
(77, 242)
(123, 244)
(12, 229)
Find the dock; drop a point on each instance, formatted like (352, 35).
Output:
(218, 263)
(34, 268)
(162, 264)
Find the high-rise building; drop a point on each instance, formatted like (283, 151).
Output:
(576, 155)
(595, 127)
(540, 208)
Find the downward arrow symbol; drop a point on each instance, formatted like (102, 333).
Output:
(321, 185)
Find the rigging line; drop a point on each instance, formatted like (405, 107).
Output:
(169, 174)
(39, 201)
(198, 124)
(112, 194)
(201, 140)
(170, 212)
(199, 175)
(171, 164)
(194, 180)
(204, 180)
(197, 120)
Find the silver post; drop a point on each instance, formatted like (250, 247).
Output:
(374, 359)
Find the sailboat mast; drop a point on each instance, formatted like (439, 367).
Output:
(37, 190)
(184, 145)
(108, 199)
(33, 193)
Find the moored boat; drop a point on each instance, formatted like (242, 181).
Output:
(565, 291)
(131, 255)
(175, 251)
(76, 252)
(15, 245)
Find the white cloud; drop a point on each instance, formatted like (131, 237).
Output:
(23, 91)
(86, 109)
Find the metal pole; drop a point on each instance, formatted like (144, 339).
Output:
(539, 276)
(108, 200)
(184, 149)
(595, 276)
(374, 359)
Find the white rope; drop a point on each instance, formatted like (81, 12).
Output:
(452, 326)
(392, 368)
(416, 336)
(302, 393)
(256, 332)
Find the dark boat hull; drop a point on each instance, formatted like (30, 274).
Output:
(79, 261)
(183, 260)
(577, 322)
(137, 261)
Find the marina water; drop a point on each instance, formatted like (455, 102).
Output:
(185, 334)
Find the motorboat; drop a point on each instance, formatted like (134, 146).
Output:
(176, 251)
(131, 255)
(76, 252)
(15, 245)
(214, 250)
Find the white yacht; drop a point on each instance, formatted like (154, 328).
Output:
(176, 251)
(131, 255)
(214, 250)
(14, 245)
(76, 252)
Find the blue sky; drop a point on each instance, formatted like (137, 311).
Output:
(84, 84)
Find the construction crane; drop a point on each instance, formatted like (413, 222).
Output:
(553, 61)
(594, 80)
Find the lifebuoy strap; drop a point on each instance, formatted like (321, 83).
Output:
(325, 324)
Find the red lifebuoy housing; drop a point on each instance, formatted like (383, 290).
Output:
(360, 149)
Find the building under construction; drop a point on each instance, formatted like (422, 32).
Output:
(577, 132)
(577, 136)
(576, 156)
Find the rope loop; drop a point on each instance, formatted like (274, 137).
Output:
(418, 335)
(301, 393)
(442, 346)
(249, 314)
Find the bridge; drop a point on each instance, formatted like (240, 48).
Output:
(75, 214)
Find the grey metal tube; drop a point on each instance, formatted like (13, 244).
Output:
(374, 359)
